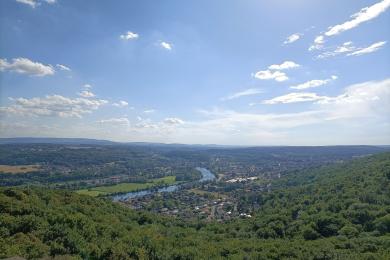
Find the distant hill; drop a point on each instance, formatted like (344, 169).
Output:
(42, 140)
(73, 141)
(363, 149)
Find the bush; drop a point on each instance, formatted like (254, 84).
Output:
(310, 234)
(383, 224)
(349, 231)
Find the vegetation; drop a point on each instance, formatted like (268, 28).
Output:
(335, 212)
(127, 187)
(84, 166)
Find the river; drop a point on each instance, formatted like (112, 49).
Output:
(206, 176)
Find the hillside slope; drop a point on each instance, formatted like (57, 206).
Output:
(336, 212)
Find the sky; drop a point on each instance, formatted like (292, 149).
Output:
(250, 72)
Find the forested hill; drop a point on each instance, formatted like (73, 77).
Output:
(335, 212)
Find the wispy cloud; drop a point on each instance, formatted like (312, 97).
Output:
(115, 121)
(26, 66)
(357, 104)
(129, 36)
(294, 98)
(314, 83)
(348, 49)
(365, 14)
(121, 103)
(173, 121)
(247, 92)
(372, 48)
(35, 3)
(149, 111)
(292, 38)
(86, 94)
(166, 45)
(63, 67)
(355, 94)
(31, 3)
(368, 100)
(342, 49)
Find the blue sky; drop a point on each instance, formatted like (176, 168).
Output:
(225, 72)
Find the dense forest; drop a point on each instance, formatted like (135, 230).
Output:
(335, 212)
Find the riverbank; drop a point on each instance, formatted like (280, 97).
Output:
(206, 176)
(128, 187)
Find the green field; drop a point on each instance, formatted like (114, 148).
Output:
(127, 187)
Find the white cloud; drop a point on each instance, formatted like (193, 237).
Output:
(173, 121)
(318, 43)
(115, 121)
(348, 49)
(26, 66)
(361, 107)
(372, 48)
(52, 105)
(166, 45)
(31, 3)
(314, 83)
(149, 111)
(121, 104)
(354, 98)
(129, 36)
(292, 38)
(319, 39)
(344, 48)
(359, 114)
(367, 99)
(274, 71)
(267, 74)
(145, 124)
(364, 15)
(34, 3)
(285, 65)
(63, 67)
(247, 92)
(88, 86)
(86, 94)
(231, 120)
(294, 98)
(163, 127)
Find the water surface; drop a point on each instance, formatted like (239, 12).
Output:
(206, 176)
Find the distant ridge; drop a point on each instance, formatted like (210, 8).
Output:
(88, 141)
(43, 140)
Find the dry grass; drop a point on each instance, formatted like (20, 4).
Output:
(16, 169)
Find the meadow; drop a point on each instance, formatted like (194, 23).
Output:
(127, 187)
(15, 169)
